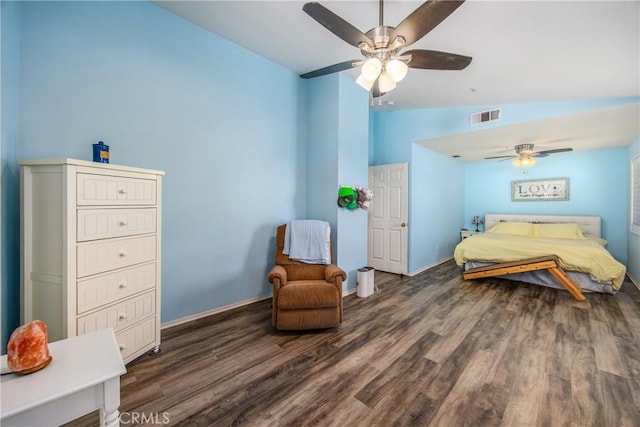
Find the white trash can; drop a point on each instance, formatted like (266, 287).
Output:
(365, 282)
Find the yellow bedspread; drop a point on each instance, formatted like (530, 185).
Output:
(584, 255)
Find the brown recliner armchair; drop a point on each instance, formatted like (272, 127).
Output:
(305, 296)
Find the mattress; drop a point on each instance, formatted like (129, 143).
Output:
(584, 255)
(544, 278)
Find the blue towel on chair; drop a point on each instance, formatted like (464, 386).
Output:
(308, 241)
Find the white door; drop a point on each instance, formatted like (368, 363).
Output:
(388, 218)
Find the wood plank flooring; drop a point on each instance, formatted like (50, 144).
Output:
(428, 350)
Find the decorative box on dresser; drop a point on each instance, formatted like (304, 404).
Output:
(91, 246)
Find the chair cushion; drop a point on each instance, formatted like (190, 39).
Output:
(308, 294)
(311, 272)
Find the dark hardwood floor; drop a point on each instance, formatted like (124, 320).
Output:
(428, 350)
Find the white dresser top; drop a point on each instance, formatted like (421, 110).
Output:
(76, 162)
(78, 363)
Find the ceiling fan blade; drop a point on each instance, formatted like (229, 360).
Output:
(424, 19)
(330, 69)
(555, 150)
(435, 60)
(500, 157)
(336, 25)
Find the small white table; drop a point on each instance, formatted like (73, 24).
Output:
(464, 233)
(83, 376)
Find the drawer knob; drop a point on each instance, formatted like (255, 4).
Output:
(123, 223)
(122, 348)
(122, 285)
(122, 254)
(122, 191)
(122, 317)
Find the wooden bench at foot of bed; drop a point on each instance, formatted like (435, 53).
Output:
(549, 263)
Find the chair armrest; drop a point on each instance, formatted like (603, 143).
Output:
(278, 274)
(332, 272)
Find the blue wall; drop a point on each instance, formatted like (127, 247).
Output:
(338, 118)
(436, 188)
(435, 181)
(226, 125)
(9, 194)
(353, 170)
(322, 162)
(633, 244)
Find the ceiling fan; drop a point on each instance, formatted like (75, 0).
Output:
(525, 155)
(383, 64)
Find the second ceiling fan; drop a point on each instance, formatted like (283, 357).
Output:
(383, 64)
(525, 155)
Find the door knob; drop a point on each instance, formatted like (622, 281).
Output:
(404, 224)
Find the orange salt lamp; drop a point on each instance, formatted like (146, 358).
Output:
(27, 350)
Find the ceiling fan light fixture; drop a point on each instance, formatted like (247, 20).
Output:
(396, 69)
(371, 69)
(524, 161)
(380, 47)
(366, 84)
(386, 82)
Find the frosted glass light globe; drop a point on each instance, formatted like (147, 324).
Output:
(371, 69)
(396, 69)
(362, 81)
(528, 161)
(524, 161)
(386, 83)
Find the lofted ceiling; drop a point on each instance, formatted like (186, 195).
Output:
(523, 51)
(609, 127)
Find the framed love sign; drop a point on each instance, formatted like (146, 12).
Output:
(533, 190)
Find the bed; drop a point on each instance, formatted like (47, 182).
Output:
(575, 241)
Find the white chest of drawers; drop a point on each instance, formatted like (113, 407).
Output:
(91, 250)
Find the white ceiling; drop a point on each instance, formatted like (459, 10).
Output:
(589, 130)
(523, 51)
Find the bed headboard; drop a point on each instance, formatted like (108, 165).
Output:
(590, 224)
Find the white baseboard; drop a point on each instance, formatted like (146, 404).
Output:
(413, 273)
(212, 311)
(202, 314)
(634, 280)
(349, 292)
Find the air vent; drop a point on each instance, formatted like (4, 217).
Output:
(485, 116)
